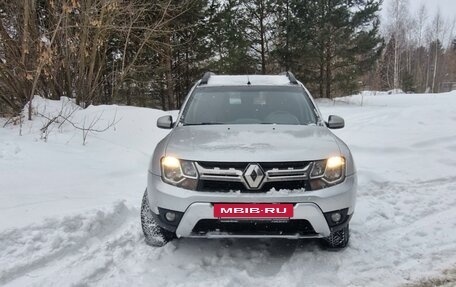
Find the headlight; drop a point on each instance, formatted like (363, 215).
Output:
(181, 173)
(327, 172)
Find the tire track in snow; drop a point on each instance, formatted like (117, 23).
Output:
(411, 226)
(398, 247)
(27, 249)
(119, 256)
(98, 260)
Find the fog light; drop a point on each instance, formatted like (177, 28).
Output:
(335, 217)
(170, 216)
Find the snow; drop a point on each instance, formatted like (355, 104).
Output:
(69, 213)
(46, 179)
(45, 40)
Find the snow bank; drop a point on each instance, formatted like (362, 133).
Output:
(41, 179)
(25, 249)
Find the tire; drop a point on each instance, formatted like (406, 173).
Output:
(338, 239)
(154, 234)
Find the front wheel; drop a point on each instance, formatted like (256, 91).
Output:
(338, 239)
(153, 233)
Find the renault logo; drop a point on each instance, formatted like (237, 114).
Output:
(253, 176)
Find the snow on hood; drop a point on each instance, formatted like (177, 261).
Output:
(251, 143)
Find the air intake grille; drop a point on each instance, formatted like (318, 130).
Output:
(252, 227)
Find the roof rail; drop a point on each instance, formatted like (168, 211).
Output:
(291, 77)
(205, 78)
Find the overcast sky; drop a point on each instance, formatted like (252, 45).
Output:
(447, 7)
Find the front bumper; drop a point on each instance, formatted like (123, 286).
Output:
(196, 206)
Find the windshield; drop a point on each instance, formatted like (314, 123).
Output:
(249, 105)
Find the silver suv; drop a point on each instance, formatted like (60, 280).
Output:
(250, 156)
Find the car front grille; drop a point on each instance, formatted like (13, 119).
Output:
(230, 176)
(243, 165)
(255, 227)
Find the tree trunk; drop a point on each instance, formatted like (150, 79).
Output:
(435, 65)
(167, 65)
(428, 68)
(187, 74)
(328, 76)
(262, 40)
(81, 88)
(287, 40)
(321, 79)
(25, 51)
(396, 64)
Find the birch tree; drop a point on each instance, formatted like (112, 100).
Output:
(436, 28)
(397, 15)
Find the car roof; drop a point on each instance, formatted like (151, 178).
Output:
(245, 80)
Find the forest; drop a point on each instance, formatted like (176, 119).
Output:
(150, 53)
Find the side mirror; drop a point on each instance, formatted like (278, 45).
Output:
(335, 122)
(165, 122)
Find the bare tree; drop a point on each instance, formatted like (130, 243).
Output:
(420, 26)
(398, 15)
(65, 114)
(421, 19)
(436, 29)
(88, 125)
(80, 49)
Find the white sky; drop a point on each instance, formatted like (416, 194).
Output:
(447, 10)
(447, 7)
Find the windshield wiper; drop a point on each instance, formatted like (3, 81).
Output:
(203, 124)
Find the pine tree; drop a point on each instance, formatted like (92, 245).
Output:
(229, 41)
(332, 42)
(258, 16)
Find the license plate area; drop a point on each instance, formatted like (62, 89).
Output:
(272, 211)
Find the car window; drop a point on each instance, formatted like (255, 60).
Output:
(249, 105)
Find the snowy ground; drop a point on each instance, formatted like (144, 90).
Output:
(69, 213)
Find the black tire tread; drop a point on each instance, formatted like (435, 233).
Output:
(153, 234)
(338, 239)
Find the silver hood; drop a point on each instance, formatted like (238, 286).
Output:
(251, 143)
